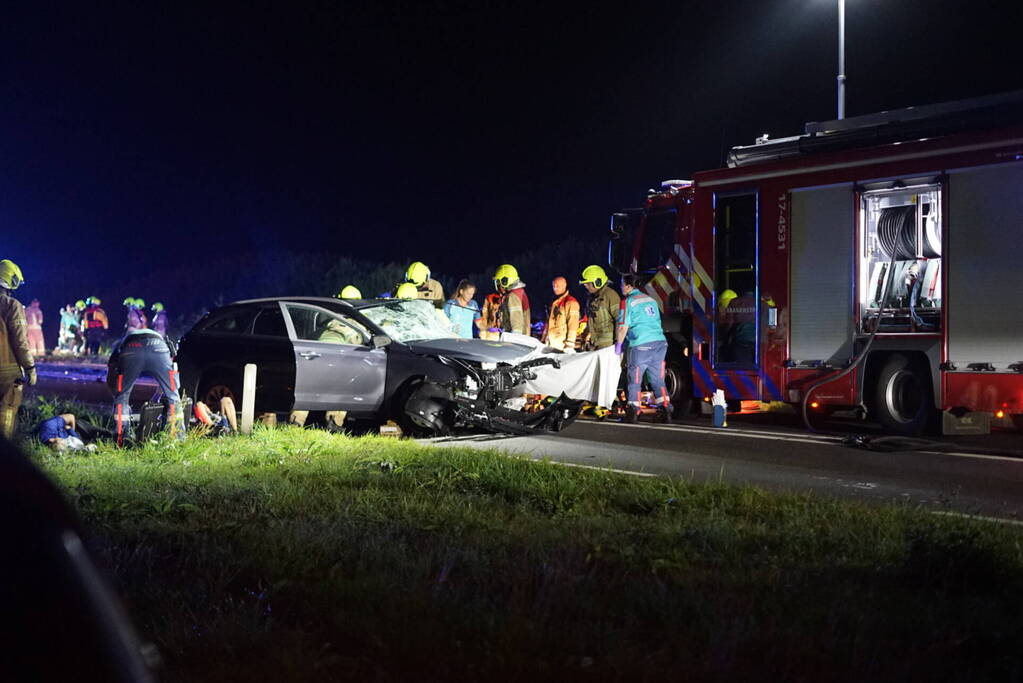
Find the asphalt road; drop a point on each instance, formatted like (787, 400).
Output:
(768, 450)
(771, 452)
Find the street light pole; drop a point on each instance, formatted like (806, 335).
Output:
(841, 59)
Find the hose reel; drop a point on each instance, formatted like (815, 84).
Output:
(896, 233)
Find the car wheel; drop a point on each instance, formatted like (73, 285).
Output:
(215, 388)
(420, 411)
(904, 396)
(678, 384)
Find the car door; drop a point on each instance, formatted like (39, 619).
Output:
(336, 368)
(269, 347)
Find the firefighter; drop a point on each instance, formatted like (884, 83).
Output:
(409, 292)
(513, 313)
(426, 287)
(94, 320)
(15, 355)
(136, 317)
(639, 323)
(601, 309)
(349, 292)
(159, 322)
(141, 352)
(741, 330)
(34, 319)
(563, 319)
(490, 323)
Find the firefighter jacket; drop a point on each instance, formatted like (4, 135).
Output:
(34, 317)
(136, 320)
(14, 349)
(95, 317)
(563, 322)
(491, 317)
(432, 291)
(602, 318)
(514, 311)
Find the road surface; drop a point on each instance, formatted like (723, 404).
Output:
(780, 457)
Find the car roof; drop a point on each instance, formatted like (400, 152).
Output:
(329, 301)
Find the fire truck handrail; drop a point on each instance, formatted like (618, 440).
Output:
(885, 127)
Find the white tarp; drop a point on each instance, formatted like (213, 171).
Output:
(588, 376)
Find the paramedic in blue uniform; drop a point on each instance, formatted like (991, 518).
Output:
(143, 352)
(639, 324)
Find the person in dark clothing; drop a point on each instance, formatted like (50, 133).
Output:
(143, 352)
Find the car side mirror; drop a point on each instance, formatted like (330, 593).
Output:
(379, 341)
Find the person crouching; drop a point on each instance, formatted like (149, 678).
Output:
(143, 352)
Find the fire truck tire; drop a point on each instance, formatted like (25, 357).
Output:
(679, 384)
(904, 396)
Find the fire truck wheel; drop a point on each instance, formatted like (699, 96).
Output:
(903, 399)
(680, 390)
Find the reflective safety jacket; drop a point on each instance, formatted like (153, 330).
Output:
(14, 349)
(514, 311)
(33, 317)
(562, 322)
(491, 316)
(641, 315)
(94, 317)
(602, 317)
(432, 291)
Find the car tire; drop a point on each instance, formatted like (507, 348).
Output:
(410, 427)
(903, 399)
(679, 385)
(213, 388)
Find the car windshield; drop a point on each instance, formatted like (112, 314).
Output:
(406, 321)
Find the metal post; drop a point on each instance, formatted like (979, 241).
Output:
(248, 398)
(841, 59)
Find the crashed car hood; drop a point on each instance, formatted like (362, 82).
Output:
(476, 350)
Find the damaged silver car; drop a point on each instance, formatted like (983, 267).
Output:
(376, 359)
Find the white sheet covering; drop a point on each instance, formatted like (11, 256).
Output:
(589, 376)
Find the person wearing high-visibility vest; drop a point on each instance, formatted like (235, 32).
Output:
(95, 321)
(601, 309)
(15, 354)
(418, 273)
(563, 318)
(639, 324)
(34, 319)
(513, 314)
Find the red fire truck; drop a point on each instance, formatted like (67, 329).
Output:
(874, 262)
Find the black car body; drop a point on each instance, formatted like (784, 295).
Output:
(375, 359)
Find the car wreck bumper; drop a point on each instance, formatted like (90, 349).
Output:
(476, 402)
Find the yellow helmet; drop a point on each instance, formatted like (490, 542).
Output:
(349, 292)
(406, 290)
(505, 275)
(417, 273)
(595, 276)
(10, 275)
(725, 298)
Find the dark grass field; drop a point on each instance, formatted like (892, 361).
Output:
(299, 555)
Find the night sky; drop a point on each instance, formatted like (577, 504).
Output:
(458, 133)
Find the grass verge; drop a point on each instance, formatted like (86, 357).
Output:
(301, 555)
